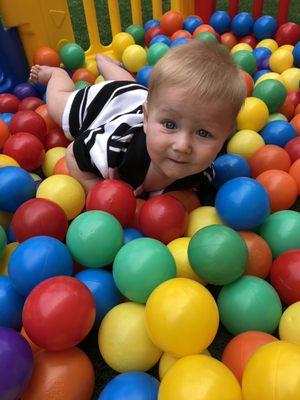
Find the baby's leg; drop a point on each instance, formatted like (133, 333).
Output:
(59, 88)
(111, 69)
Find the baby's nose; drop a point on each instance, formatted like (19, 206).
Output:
(182, 144)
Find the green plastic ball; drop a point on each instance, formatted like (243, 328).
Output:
(82, 84)
(276, 117)
(94, 238)
(250, 303)
(137, 32)
(246, 61)
(272, 92)
(156, 52)
(218, 254)
(281, 231)
(207, 37)
(3, 241)
(72, 56)
(140, 266)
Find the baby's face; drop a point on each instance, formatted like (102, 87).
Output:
(183, 136)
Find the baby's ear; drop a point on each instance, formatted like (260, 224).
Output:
(145, 111)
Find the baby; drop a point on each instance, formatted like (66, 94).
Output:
(158, 139)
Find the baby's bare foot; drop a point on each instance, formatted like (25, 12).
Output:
(41, 73)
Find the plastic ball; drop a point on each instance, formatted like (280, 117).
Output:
(163, 217)
(206, 37)
(181, 34)
(220, 21)
(191, 23)
(134, 57)
(6, 117)
(143, 75)
(238, 315)
(46, 56)
(9, 249)
(137, 276)
(4, 133)
(187, 198)
(30, 103)
(68, 372)
(296, 55)
(253, 115)
(270, 44)
(218, 245)
(23, 90)
(285, 276)
(294, 171)
(281, 187)
(229, 40)
(81, 85)
(181, 317)
(259, 255)
(245, 143)
(94, 238)
(265, 27)
(59, 313)
(3, 241)
(16, 364)
(64, 191)
(83, 74)
(150, 23)
(156, 52)
(204, 28)
(267, 376)
(152, 32)
(28, 121)
(6, 161)
(272, 93)
(278, 133)
(56, 138)
(289, 326)
(294, 95)
(249, 83)
(199, 377)
(269, 157)
(262, 56)
(246, 61)
(200, 218)
(269, 75)
(281, 60)
(11, 303)
(161, 39)
(115, 197)
(242, 24)
(131, 234)
(277, 117)
(238, 195)
(104, 290)
(291, 78)
(43, 112)
(171, 21)
(133, 385)
(229, 166)
(249, 39)
(72, 56)
(288, 33)
(123, 340)
(8, 103)
(120, 42)
(137, 32)
(240, 47)
(295, 122)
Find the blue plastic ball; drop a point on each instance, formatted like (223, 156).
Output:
(16, 187)
(10, 235)
(104, 290)
(6, 117)
(161, 39)
(179, 41)
(243, 203)
(242, 24)
(260, 73)
(37, 259)
(131, 385)
(296, 54)
(220, 21)
(191, 23)
(150, 23)
(11, 304)
(143, 75)
(131, 234)
(262, 55)
(265, 27)
(278, 133)
(229, 166)
(23, 90)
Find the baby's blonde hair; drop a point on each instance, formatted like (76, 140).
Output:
(203, 70)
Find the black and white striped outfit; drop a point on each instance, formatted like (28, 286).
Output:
(106, 123)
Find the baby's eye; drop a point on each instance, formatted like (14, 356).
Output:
(203, 133)
(169, 124)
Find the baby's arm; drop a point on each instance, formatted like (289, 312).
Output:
(111, 69)
(87, 179)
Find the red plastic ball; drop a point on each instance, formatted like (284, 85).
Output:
(171, 21)
(56, 138)
(293, 148)
(288, 33)
(182, 33)
(30, 103)
(39, 217)
(59, 313)
(134, 223)
(269, 157)
(163, 218)
(294, 97)
(26, 149)
(4, 133)
(285, 276)
(28, 121)
(187, 198)
(249, 83)
(46, 56)
(114, 197)
(84, 74)
(152, 32)
(229, 39)
(61, 167)
(43, 112)
(295, 122)
(249, 39)
(9, 103)
(287, 108)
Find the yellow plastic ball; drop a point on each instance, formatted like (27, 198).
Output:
(241, 46)
(7, 161)
(245, 143)
(99, 79)
(200, 218)
(9, 249)
(92, 66)
(289, 325)
(182, 317)
(269, 75)
(123, 340)
(65, 191)
(5, 219)
(253, 115)
(134, 57)
(273, 372)
(270, 44)
(281, 60)
(288, 47)
(167, 361)
(51, 158)
(199, 377)
(291, 79)
(179, 250)
(120, 42)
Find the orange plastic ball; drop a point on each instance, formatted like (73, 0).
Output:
(171, 21)
(288, 108)
(259, 255)
(34, 347)
(204, 28)
(294, 171)
(281, 187)
(297, 109)
(84, 74)
(228, 39)
(61, 167)
(182, 33)
(296, 123)
(187, 198)
(249, 83)
(4, 133)
(46, 56)
(43, 112)
(240, 349)
(269, 157)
